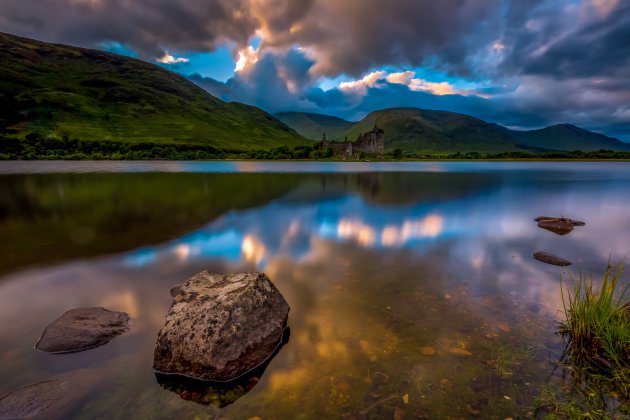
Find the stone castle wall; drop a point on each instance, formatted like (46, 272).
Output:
(372, 143)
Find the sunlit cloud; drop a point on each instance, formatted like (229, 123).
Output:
(380, 79)
(247, 57)
(373, 79)
(169, 59)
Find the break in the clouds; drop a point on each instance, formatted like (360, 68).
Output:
(520, 63)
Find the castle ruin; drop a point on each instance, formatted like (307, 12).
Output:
(371, 143)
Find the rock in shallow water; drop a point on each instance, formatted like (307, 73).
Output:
(220, 327)
(82, 329)
(32, 400)
(551, 259)
(558, 225)
(54, 398)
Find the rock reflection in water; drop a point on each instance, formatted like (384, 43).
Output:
(218, 394)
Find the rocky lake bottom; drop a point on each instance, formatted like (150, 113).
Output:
(413, 288)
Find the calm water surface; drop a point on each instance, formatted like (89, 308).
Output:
(412, 287)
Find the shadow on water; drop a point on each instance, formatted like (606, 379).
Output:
(218, 394)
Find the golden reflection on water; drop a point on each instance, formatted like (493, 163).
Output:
(253, 249)
(390, 235)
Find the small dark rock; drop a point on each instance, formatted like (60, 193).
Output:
(175, 290)
(551, 259)
(558, 225)
(82, 329)
(220, 327)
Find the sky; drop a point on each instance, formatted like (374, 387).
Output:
(524, 64)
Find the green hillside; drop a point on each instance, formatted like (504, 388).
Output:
(438, 132)
(427, 131)
(312, 125)
(569, 137)
(57, 90)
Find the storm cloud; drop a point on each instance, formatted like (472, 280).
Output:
(347, 36)
(519, 63)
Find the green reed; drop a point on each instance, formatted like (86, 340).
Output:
(597, 323)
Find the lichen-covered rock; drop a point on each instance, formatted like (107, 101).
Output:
(219, 327)
(551, 259)
(82, 329)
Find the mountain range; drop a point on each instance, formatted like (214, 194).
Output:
(59, 92)
(431, 131)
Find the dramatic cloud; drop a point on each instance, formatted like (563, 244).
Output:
(520, 63)
(169, 59)
(349, 36)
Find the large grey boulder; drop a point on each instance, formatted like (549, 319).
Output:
(219, 327)
(81, 329)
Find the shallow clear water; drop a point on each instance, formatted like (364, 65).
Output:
(412, 285)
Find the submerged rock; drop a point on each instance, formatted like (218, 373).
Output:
(82, 329)
(558, 225)
(551, 259)
(53, 398)
(33, 400)
(221, 327)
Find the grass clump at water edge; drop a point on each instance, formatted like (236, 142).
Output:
(597, 325)
(596, 331)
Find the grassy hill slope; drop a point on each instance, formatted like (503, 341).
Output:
(312, 125)
(57, 90)
(569, 137)
(434, 132)
(428, 131)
